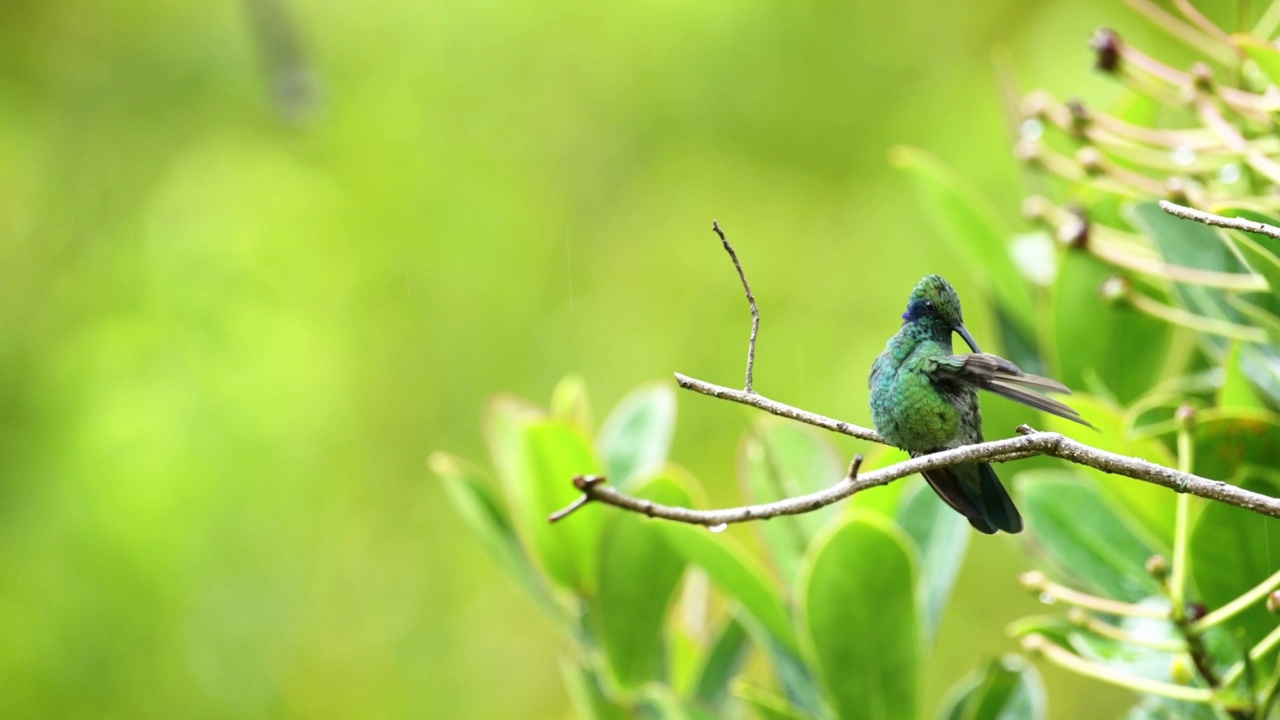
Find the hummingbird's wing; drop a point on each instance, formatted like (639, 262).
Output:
(994, 373)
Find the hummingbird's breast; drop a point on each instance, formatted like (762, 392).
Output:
(914, 413)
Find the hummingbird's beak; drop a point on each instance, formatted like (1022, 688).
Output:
(964, 333)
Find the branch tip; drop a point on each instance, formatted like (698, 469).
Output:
(1206, 218)
(855, 466)
(751, 299)
(585, 483)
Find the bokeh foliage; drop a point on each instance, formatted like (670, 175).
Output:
(229, 335)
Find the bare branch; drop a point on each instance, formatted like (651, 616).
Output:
(1201, 216)
(755, 311)
(1026, 445)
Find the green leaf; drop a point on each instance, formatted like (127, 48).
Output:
(1131, 658)
(767, 706)
(638, 578)
(587, 696)
(1232, 550)
(858, 618)
(484, 515)
(659, 701)
(1137, 108)
(1261, 364)
(795, 677)
(1083, 538)
(1259, 317)
(684, 653)
(785, 537)
(636, 437)
(1227, 440)
(724, 661)
(1264, 55)
(1019, 344)
(1151, 506)
(735, 572)
(1054, 627)
(1192, 244)
(1008, 688)
(1124, 347)
(781, 460)
(551, 454)
(1157, 708)
(960, 213)
(941, 536)
(1261, 253)
(1236, 391)
(569, 402)
(804, 462)
(503, 422)
(1261, 260)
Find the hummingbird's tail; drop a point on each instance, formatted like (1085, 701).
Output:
(974, 490)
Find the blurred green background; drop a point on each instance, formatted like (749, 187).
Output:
(246, 289)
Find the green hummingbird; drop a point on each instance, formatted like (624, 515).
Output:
(924, 399)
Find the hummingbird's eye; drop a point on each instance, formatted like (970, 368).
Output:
(929, 304)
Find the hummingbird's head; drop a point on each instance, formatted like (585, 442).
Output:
(934, 303)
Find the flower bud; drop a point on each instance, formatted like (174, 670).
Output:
(1090, 160)
(1186, 416)
(1033, 580)
(1114, 289)
(1177, 190)
(1035, 208)
(1196, 611)
(1079, 117)
(1202, 77)
(1075, 232)
(1106, 45)
(1033, 644)
(1158, 567)
(1181, 670)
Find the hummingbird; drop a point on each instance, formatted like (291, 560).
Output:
(924, 398)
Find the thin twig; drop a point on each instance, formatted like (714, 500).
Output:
(1083, 619)
(1268, 22)
(1194, 321)
(1240, 604)
(1048, 590)
(1180, 29)
(1032, 443)
(1201, 216)
(755, 311)
(1259, 651)
(1040, 646)
(1197, 18)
